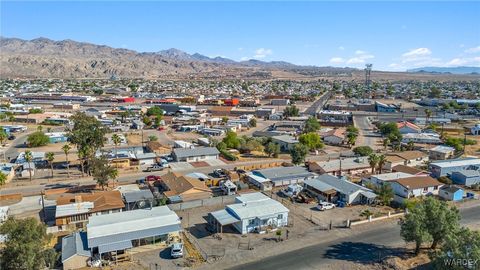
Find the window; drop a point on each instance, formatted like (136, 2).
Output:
(251, 222)
(425, 189)
(280, 216)
(435, 187)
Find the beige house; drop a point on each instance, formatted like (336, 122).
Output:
(408, 158)
(178, 187)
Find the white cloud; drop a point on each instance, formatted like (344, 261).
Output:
(359, 57)
(337, 60)
(417, 52)
(341, 48)
(262, 53)
(475, 61)
(244, 58)
(240, 49)
(473, 50)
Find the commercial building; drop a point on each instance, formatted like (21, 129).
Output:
(466, 177)
(252, 212)
(444, 167)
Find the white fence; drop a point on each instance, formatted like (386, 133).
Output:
(372, 219)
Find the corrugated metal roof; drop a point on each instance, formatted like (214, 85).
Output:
(73, 209)
(115, 246)
(224, 218)
(130, 225)
(255, 205)
(75, 244)
(200, 151)
(456, 162)
(140, 195)
(283, 173)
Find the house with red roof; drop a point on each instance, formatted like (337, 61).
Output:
(407, 127)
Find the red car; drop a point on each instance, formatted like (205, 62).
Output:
(152, 178)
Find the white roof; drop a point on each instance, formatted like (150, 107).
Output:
(258, 178)
(442, 149)
(131, 221)
(73, 209)
(256, 205)
(391, 176)
(456, 162)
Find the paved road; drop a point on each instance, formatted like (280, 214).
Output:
(36, 187)
(318, 104)
(369, 246)
(366, 136)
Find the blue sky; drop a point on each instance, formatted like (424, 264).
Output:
(391, 35)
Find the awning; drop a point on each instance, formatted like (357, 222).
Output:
(368, 194)
(114, 246)
(224, 218)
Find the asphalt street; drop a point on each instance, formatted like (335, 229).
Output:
(372, 245)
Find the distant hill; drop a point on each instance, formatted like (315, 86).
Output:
(451, 70)
(46, 58)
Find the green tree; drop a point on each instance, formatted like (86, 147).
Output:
(386, 142)
(102, 172)
(311, 125)
(385, 193)
(116, 142)
(272, 149)
(373, 161)
(435, 92)
(25, 244)
(463, 244)
(3, 179)
(351, 139)
(3, 135)
(147, 121)
(428, 114)
(152, 138)
(28, 158)
(231, 140)
(155, 111)
(298, 153)
(253, 122)
(50, 157)
(290, 111)
(440, 219)
(413, 227)
(363, 151)
(382, 159)
(224, 120)
(312, 140)
(66, 149)
(252, 145)
(88, 134)
(37, 138)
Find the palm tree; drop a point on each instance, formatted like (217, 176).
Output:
(381, 161)
(3, 179)
(66, 148)
(50, 156)
(428, 114)
(28, 158)
(373, 161)
(386, 142)
(40, 128)
(81, 158)
(351, 139)
(410, 145)
(116, 141)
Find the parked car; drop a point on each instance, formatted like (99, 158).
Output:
(219, 173)
(155, 168)
(11, 137)
(152, 178)
(177, 250)
(322, 206)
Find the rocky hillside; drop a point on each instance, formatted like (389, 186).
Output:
(45, 58)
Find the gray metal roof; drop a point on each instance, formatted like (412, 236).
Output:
(200, 151)
(115, 246)
(138, 195)
(135, 224)
(255, 205)
(469, 173)
(224, 218)
(342, 186)
(456, 162)
(75, 244)
(284, 173)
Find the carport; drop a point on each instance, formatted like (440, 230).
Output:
(221, 218)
